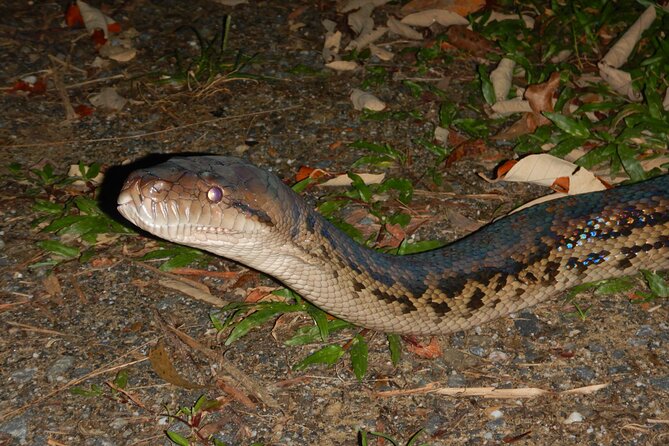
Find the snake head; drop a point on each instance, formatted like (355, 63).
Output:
(206, 202)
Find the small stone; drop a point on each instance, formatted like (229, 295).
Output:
(17, 428)
(498, 356)
(661, 382)
(584, 373)
(574, 417)
(456, 380)
(23, 376)
(57, 370)
(477, 351)
(527, 324)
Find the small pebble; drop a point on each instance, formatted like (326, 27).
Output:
(574, 417)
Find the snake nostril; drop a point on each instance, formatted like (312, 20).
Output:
(156, 190)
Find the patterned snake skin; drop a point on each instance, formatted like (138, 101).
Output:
(233, 209)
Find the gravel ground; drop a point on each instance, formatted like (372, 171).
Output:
(107, 313)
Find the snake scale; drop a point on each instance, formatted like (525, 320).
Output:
(236, 210)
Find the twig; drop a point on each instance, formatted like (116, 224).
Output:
(251, 385)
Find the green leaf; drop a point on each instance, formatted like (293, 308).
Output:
(121, 380)
(59, 248)
(486, 85)
(395, 347)
(262, 315)
(612, 286)
(569, 125)
(312, 334)
(359, 352)
(94, 391)
(364, 192)
(177, 439)
(328, 355)
(301, 186)
(656, 283)
(629, 162)
(48, 207)
(447, 113)
(320, 317)
(416, 247)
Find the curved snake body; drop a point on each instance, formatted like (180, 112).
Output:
(236, 210)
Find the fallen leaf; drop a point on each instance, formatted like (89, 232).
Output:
(109, 99)
(429, 351)
(344, 180)
(342, 65)
(427, 18)
(621, 50)
(162, 365)
(467, 40)
(403, 30)
(501, 78)
(461, 7)
(362, 100)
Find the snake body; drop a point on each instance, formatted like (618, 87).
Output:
(239, 211)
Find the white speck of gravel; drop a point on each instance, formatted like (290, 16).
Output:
(574, 417)
(496, 414)
(487, 436)
(162, 421)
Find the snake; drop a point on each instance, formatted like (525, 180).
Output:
(233, 209)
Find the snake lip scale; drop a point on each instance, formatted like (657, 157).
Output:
(236, 210)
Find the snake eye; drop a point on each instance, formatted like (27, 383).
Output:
(215, 194)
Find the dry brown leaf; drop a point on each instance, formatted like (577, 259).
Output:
(540, 96)
(196, 292)
(467, 40)
(427, 18)
(162, 365)
(344, 180)
(366, 101)
(429, 351)
(108, 99)
(342, 65)
(620, 81)
(403, 30)
(94, 19)
(501, 78)
(621, 50)
(52, 285)
(381, 53)
(367, 38)
(461, 7)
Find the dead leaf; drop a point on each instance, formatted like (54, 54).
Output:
(95, 20)
(430, 16)
(403, 30)
(467, 40)
(429, 351)
(162, 365)
(109, 99)
(363, 100)
(501, 78)
(344, 180)
(540, 97)
(342, 65)
(620, 52)
(52, 285)
(620, 81)
(189, 288)
(461, 7)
